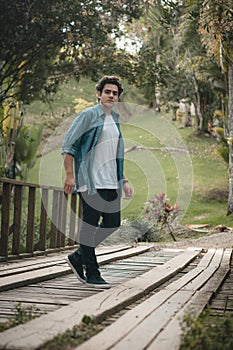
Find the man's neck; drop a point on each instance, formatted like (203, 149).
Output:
(106, 109)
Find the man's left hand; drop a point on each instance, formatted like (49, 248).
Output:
(128, 191)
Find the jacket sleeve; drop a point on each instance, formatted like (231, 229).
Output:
(75, 133)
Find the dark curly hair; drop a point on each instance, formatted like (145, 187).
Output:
(109, 79)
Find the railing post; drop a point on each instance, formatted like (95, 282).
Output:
(54, 222)
(17, 219)
(64, 198)
(12, 215)
(59, 221)
(43, 219)
(5, 222)
(31, 220)
(73, 206)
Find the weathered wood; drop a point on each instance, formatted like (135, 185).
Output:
(26, 184)
(200, 280)
(37, 263)
(43, 219)
(204, 263)
(31, 220)
(170, 336)
(59, 219)
(130, 320)
(64, 199)
(54, 222)
(48, 272)
(5, 222)
(17, 219)
(36, 332)
(58, 225)
(73, 206)
(139, 327)
(142, 335)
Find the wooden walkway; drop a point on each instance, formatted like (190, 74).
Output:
(166, 284)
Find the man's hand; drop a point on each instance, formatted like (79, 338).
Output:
(128, 191)
(69, 181)
(69, 184)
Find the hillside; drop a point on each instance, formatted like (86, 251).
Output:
(197, 180)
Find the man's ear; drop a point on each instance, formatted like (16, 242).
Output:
(98, 94)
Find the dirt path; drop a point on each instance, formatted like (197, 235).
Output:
(217, 240)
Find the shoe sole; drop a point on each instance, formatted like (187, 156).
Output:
(75, 272)
(100, 286)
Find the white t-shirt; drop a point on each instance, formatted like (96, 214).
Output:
(104, 170)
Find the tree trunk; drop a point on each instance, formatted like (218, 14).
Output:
(187, 115)
(197, 106)
(230, 140)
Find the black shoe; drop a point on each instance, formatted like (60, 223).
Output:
(97, 282)
(75, 262)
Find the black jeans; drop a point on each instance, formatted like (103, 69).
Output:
(100, 217)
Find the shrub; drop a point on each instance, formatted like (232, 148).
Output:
(207, 332)
(163, 214)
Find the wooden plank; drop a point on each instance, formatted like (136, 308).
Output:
(10, 282)
(140, 336)
(54, 221)
(22, 279)
(169, 338)
(149, 328)
(64, 197)
(111, 335)
(5, 221)
(31, 220)
(43, 219)
(38, 331)
(73, 214)
(191, 275)
(200, 280)
(123, 254)
(40, 262)
(60, 217)
(17, 219)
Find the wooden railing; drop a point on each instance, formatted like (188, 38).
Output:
(36, 219)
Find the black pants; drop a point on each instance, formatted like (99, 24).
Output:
(100, 218)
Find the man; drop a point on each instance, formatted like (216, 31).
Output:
(94, 145)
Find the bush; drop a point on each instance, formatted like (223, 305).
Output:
(207, 332)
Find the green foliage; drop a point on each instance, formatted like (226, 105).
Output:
(26, 146)
(223, 147)
(209, 196)
(207, 332)
(42, 42)
(21, 316)
(76, 336)
(87, 319)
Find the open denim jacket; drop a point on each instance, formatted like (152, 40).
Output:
(81, 140)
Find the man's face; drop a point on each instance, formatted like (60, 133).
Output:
(109, 96)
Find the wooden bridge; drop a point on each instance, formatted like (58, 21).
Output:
(152, 289)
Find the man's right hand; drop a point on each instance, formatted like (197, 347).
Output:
(69, 184)
(69, 181)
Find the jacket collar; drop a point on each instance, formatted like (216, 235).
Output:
(102, 114)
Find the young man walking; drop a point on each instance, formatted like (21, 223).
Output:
(93, 152)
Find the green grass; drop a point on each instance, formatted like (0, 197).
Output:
(197, 181)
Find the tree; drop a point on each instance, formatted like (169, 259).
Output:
(174, 60)
(43, 42)
(216, 27)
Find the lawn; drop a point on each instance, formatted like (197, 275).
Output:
(169, 159)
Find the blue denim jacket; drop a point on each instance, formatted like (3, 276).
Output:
(80, 141)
